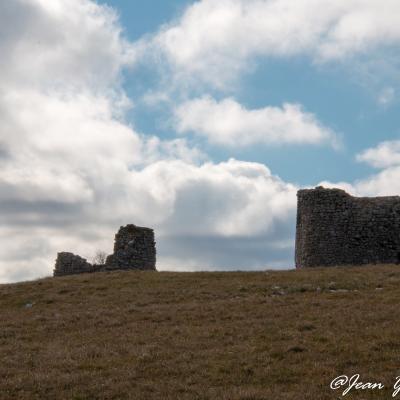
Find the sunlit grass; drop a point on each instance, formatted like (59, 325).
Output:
(235, 335)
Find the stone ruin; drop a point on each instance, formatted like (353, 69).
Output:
(69, 264)
(134, 249)
(335, 228)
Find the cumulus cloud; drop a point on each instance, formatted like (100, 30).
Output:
(229, 123)
(233, 198)
(215, 41)
(386, 154)
(384, 183)
(51, 43)
(73, 170)
(228, 215)
(385, 157)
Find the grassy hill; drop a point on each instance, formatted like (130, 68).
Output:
(235, 335)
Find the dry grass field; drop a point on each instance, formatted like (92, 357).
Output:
(229, 336)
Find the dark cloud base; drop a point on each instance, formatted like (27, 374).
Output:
(227, 253)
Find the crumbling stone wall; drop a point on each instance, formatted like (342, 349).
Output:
(134, 249)
(335, 228)
(69, 264)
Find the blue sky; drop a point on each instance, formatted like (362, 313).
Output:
(142, 17)
(200, 119)
(343, 100)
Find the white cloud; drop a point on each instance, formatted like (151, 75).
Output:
(73, 171)
(215, 41)
(384, 183)
(51, 43)
(240, 206)
(346, 186)
(233, 198)
(386, 154)
(229, 123)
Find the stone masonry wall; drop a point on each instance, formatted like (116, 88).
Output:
(334, 228)
(69, 264)
(134, 249)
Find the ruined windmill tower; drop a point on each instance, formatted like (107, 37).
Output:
(335, 228)
(134, 249)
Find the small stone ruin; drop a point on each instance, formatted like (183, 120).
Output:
(133, 246)
(134, 249)
(69, 264)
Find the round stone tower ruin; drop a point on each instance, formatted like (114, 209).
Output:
(134, 248)
(335, 228)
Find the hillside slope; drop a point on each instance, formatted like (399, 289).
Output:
(235, 335)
